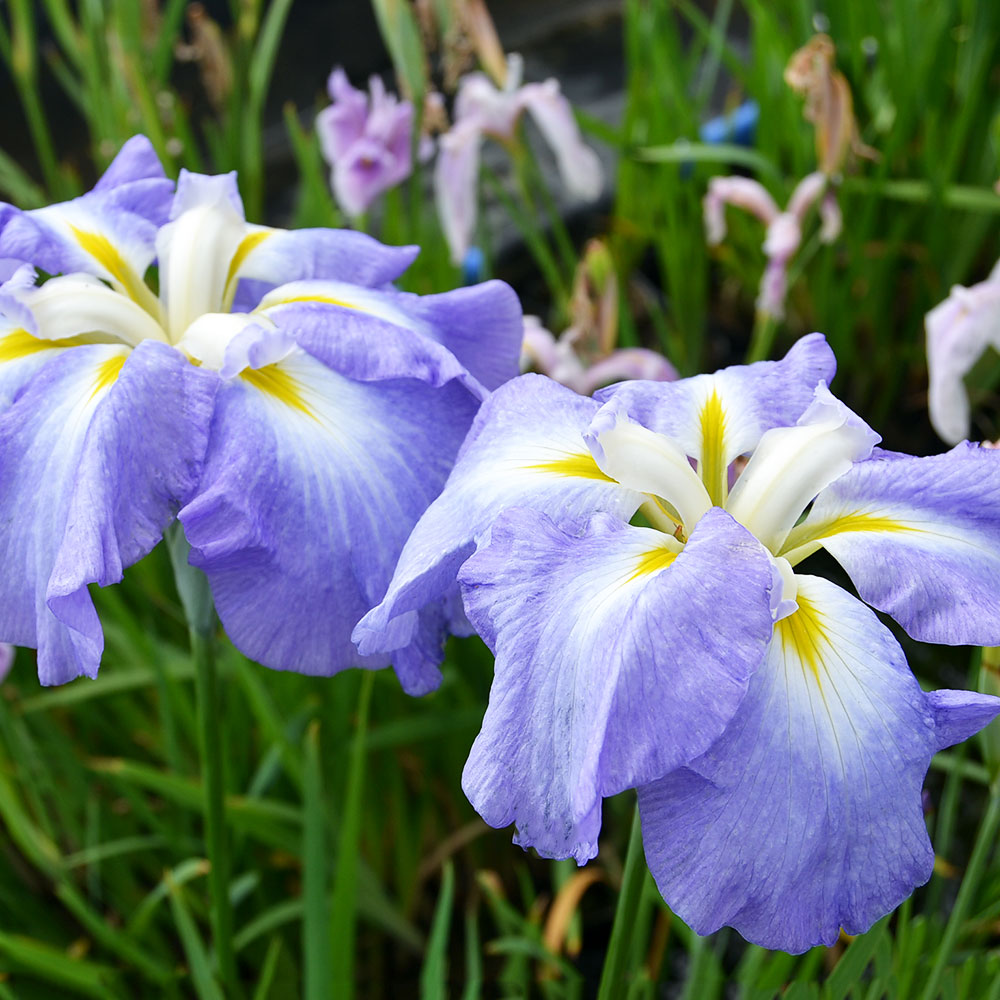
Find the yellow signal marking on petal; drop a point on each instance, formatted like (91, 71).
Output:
(808, 538)
(651, 561)
(328, 300)
(803, 635)
(106, 254)
(864, 522)
(582, 466)
(712, 466)
(248, 244)
(107, 372)
(19, 344)
(278, 384)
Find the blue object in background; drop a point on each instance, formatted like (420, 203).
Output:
(739, 126)
(472, 266)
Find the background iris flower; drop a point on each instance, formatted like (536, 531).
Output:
(270, 389)
(482, 109)
(959, 331)
(784, 228)
(366, 139)
(768, 718)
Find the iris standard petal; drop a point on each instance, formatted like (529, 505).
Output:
(86, 236)
(279, 256)
(109, 232)
(456, 178)
(196, 248)
(371, 335)
(602, 681)
(525, 448)
(920, 538)
(481, 325)
(716, 418)
(579, 166)
(311, 484)
(791, 465)
(959, 330)
(76, 305)
(647, 462)
(805, 817)
(343, 122)
(96, 454)
(135, 161)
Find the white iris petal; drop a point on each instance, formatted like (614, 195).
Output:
(78, 304)
(791, 465)
(642, 460)
(195, 251)
(207, 338)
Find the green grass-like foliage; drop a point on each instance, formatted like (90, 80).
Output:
(352, 863)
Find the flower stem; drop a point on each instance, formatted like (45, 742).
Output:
(970, 882)
(343, 922)
(619, 947)
(199, 610)
(765, 326)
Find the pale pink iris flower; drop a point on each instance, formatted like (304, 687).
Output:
(366, 139)
(784, 228)
(557, 357)
(482, 109)
(959, 330)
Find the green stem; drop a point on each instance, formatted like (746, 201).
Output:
(199, 610)
(537, 246)
(765, 326)
(613, 975)
(315, 855)
(970, 883)
(531, 181)
(345, 890)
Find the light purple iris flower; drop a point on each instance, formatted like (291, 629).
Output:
(775, 734)
(481, 109)
(784, 229)
(556, 357)
(959, 330)
(277, 395)
(366, 139)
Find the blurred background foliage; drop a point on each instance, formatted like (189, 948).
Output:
(358, 867)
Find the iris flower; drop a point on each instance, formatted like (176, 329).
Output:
(366, 139)
(560, 359)
(784, 229)
(959, 330)
(268, 388)
(481, 109)
(767, 717)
